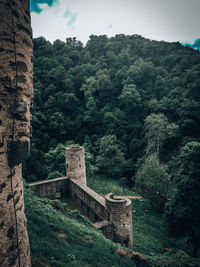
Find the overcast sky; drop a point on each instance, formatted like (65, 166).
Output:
(168, 20)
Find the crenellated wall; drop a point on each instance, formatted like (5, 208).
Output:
(112, 215)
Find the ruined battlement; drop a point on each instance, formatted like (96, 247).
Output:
(120, 213)
(111, 214)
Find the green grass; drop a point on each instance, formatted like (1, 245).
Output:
(82, 245)
(105, 185)
(60, 237)
(150, 232)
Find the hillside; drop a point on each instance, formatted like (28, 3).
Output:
(61, 236)
(133, 103)
(102, 93)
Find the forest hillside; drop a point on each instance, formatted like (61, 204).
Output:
(113, 91)
(134, 105)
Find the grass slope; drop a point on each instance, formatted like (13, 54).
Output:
(104, 185)
(60, 237)
(150, 232)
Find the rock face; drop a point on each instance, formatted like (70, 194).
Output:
(16, 93)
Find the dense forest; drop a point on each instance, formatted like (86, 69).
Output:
(134, 105)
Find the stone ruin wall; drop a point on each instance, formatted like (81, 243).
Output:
(110, 214)
(108, 209)
(51, 188)
(16, 94)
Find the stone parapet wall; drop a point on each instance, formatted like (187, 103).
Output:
(51, 188)
(112, 215)
(92, 203)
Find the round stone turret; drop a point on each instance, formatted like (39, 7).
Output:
(75, 163)
(120, 213)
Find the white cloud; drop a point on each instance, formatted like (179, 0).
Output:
(170, 20)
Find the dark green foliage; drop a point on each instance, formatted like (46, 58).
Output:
(55, 162)
(173, 258)
(107, 88)
(183, 211)
(110, 159)
(152, 177)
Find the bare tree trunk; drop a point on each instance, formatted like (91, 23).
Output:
(16, 93)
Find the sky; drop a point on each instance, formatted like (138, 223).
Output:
(168, 20)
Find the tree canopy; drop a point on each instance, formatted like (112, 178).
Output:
(183, 211)
(117, 86)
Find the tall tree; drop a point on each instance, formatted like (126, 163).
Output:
(158, 129)
(183, 211)
(111, 159)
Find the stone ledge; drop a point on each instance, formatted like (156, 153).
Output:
(90, 192)
(49, 181)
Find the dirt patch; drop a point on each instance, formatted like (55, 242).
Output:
(138, 258)
(62, 235)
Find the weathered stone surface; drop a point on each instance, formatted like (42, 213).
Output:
(17, 152)
(2, 186)
(21, 78)
(20, 65)
(120, 213)
(19, 108)
(75, 163)
(15, 92)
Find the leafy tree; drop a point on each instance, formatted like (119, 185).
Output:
(110, 159)
(91, 169)
(56, 123)
(154, 176)
(183, 210)
(130, 97)
(158, 129)
(55, 161)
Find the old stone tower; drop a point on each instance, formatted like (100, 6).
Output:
(16, 93)
(75, 163)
